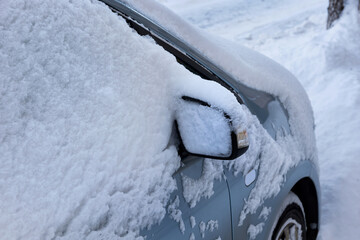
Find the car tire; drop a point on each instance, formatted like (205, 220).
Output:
(291, 221)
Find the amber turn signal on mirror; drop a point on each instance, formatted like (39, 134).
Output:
(242, 139)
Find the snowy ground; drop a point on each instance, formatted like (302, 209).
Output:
(326, 63)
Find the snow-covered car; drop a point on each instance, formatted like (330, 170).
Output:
(132, 124)
(231, 207)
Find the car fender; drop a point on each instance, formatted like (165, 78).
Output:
(305, 169)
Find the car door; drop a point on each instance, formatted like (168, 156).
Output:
(200, 206)
(240, 187)
(210, 217)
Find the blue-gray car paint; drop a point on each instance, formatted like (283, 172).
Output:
(227, 201)
(216, 208)
(305, 169)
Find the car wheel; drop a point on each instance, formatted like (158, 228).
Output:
(291, 222)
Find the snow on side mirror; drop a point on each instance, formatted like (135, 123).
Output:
(207, 131)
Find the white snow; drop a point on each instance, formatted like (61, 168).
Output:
(212, 225)
(276, 159)
(202, 228)
(246, 66)
(204, 130)
(175, 213)
(265, 213)
(192, 221)
(77, 154)
(327, 64)
(259, 72)
(254, 230)
(195, 189)
(192, 236)
(86, 113)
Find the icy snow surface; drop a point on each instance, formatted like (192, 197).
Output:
(327, 64)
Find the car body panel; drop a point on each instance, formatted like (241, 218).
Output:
(238, 191)
(305, 169)
(216, 209)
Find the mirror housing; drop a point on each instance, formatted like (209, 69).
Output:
(207, 131)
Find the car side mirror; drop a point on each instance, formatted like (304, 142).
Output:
(208, 132)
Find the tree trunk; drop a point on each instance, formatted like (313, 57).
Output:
(334, 11)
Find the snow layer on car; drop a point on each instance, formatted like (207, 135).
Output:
(246, 66)
(211, 133)
(326, 62)
(78, 155)
(85, 124)
(86, 114)
(85, 120)
(272, 158)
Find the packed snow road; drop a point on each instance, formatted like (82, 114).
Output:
(326, 63)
